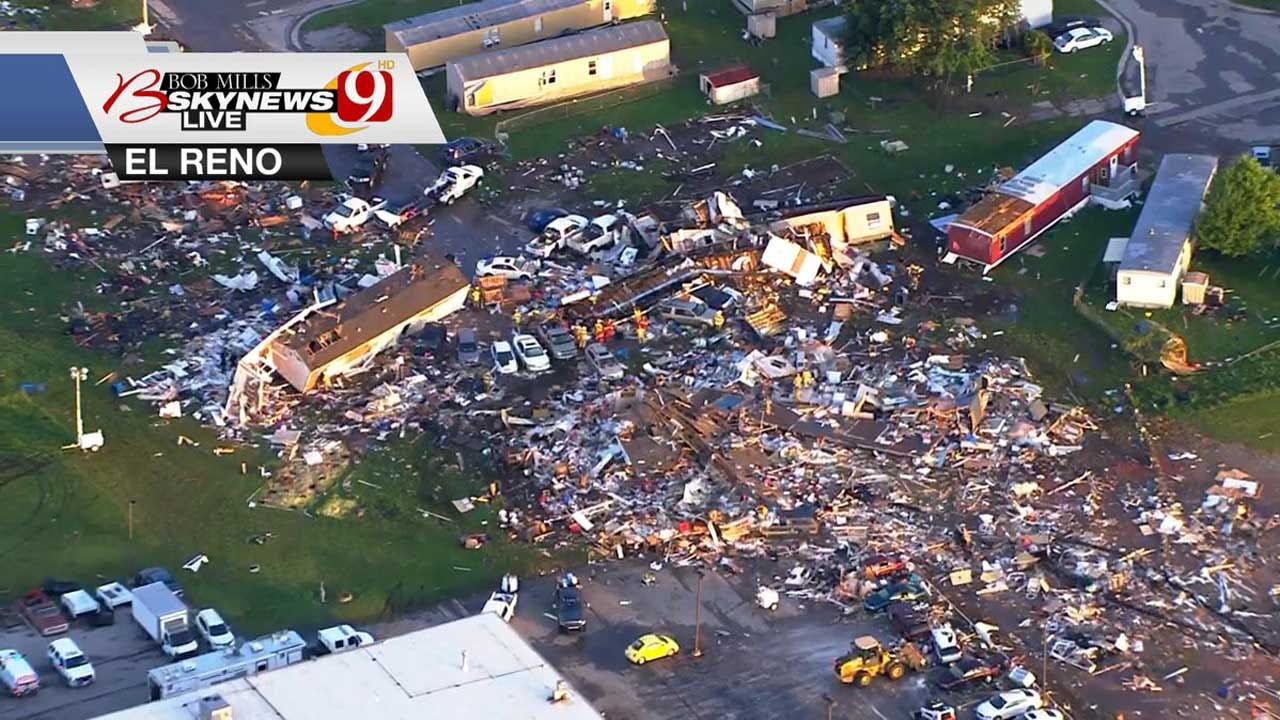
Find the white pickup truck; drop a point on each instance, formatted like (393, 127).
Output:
(454, 182)
(352, 214)
(502, 602)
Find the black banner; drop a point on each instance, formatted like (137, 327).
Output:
(219, 162)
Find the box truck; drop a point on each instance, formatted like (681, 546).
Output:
(163, 616)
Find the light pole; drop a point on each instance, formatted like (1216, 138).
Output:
(831, 705)
(143, 27)
(697, 618)
(131, 502)
(79, 374)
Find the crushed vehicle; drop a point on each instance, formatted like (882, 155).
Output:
(602, 233)
(945, 643)
(913, 588)
(907, 622)
(967, 671)
(504, 359)
(558, 340)
(687, 312)
(556, 235)
(352, 213)
(603, 362)
(468, 347)
(453, 183)
(538, 220)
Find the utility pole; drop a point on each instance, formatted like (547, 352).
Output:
(697, 618)
(131, 503)
(79, 374)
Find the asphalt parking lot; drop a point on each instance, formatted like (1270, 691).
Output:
(121, 655)
(755, 664)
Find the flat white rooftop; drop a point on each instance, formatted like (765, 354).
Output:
(418, 675)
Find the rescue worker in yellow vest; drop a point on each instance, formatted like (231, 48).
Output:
(719, 319)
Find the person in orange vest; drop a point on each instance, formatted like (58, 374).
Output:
(642, 328)
(608, 329)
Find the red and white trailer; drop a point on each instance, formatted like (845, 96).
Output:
(1097, 163)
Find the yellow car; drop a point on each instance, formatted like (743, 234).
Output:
(651, 647)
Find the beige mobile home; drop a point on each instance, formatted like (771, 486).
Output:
(560, 68)
(435, 38)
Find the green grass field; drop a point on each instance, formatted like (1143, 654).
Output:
(66, 513)
(106, 15)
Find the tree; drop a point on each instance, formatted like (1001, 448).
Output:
(1038, 46)
(939, 38)
(1240, 214)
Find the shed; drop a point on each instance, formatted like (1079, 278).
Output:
(730, 84)
(560, 68)
(1094, 164)
(433, 39)
(824, 81)
(1159, 250)
(1195, 285)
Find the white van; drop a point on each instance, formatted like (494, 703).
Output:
(16, 674)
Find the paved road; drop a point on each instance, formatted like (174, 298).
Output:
(1213, 72)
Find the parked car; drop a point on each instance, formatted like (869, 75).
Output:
(538, 220)
(17, 675)
(468, 348)
(506, 266)
(72, 664)
(604, 363)
(214, 629)
(504, 360)
(434, 338)
(558, 341)
(570, 615)
(454, 182)
(1081, 39)
(1008, 704)
(945, 643)
(465, 150)
(1050, 714)
(651, 647)
(113, 594)
(1070, 22)
(907, 590)
(907, 622)
(78, 602)
(146, 576)
(342, 637)
(368, 170)
(557, 235)
(43, 613)
(530, 352)
(965, 672)
(687, 312)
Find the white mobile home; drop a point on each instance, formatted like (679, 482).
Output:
(1159, 250)
(827, 45)
(561, 68)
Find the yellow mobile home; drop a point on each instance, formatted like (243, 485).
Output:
(435, 38)
(560, 68)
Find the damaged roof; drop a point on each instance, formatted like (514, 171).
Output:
(1168, 213)
(332, 332)
(549, 52)
(471, 16)
(994, 213)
